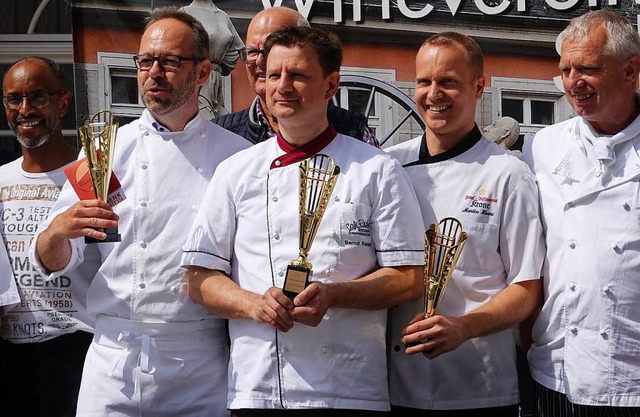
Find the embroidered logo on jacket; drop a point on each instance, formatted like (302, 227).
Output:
(480, 203)
(359, 227)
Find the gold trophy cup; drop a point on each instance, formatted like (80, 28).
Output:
(318, 176)
(98, 137)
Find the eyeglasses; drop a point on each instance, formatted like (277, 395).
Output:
(166, 62)
(249, 56)
(37, 99)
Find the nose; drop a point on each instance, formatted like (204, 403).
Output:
(260, 61)
(25, 106)
(155, 71)
(434, 91)
(573, 77)
(285, 84)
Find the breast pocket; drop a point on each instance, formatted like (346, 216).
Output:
(354, 236)
(480, 253)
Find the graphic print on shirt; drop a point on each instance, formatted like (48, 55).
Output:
(481, 202)
(43, 303)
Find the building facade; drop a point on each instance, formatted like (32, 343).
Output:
(380, 39)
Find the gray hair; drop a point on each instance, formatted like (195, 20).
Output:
(623, 41)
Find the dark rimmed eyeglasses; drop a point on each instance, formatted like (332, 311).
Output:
(35, 99)
(166, 62)
(249, 56)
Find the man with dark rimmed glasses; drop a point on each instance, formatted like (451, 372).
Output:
(155, 352)
(45, 337)
(257, 123)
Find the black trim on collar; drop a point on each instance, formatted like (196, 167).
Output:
(464, 145)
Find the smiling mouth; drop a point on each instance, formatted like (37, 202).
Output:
(27, 123)
(438, 108)
(585, 96)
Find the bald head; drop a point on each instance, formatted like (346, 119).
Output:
(275, 18)
(261, 26)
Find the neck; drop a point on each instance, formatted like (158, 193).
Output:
(48, 157)
(177, 120)
(300, 135)
(439, 143)
(611, 127)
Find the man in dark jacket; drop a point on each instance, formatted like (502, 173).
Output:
(256, 123)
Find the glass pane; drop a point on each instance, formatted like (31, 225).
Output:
(124, 90)
(513, 107)
(517, 145)
(358, 100)
(542, 112)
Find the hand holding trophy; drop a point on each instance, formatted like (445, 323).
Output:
(98, 137)
(443, 244)
(318, 176)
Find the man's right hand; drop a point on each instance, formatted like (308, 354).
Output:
(82, 219)
(274, 308)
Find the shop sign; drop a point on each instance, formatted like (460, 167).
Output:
(484, 6)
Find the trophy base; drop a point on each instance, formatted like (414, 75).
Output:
(112, 236)
(295, 281)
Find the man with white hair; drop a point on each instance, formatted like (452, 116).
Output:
(586, 338)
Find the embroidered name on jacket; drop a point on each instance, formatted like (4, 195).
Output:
(480, 203)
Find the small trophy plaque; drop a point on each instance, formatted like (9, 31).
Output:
(443, 244)
(318, 176)
(98, 137)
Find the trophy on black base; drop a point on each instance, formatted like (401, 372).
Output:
(318, 176)
(443, 244)
(98, 137)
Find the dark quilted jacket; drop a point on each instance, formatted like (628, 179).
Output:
(344, 121)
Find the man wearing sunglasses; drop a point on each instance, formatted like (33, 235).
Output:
(155, 352)
(257, 123)
(45, 337)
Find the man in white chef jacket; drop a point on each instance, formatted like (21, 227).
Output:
(463, 362)
(155, 352)
(586, 338)
(322, 352)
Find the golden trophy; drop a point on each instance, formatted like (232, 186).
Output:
(318, 176)
(442, 247)
(98, 137)
(443, 244)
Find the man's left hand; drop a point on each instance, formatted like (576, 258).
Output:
(312, 304)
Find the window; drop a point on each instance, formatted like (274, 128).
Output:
(533, 103)
(118, 87)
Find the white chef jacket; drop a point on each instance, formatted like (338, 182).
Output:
(163, 175)
(248, 226)
(495, 197)
(587, 336)
(9, 296)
